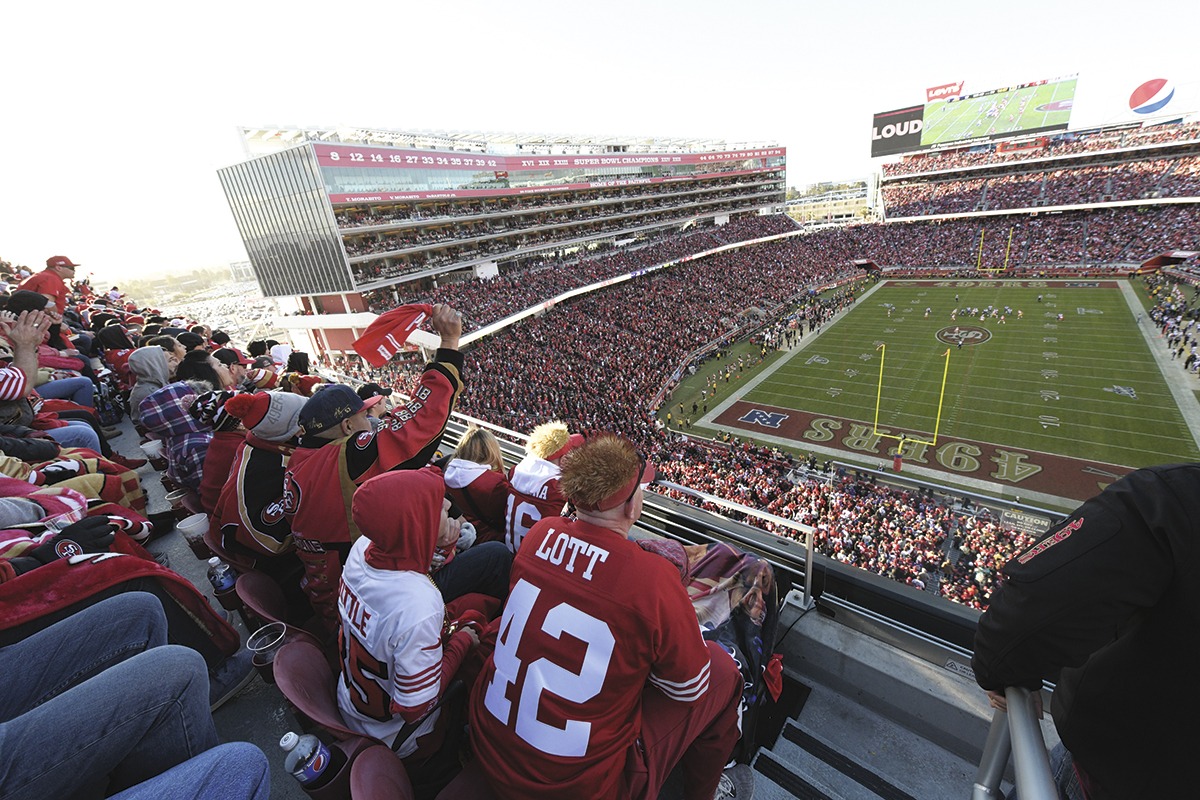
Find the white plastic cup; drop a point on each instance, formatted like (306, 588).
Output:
(265, 641)
(176, 497)
(193, 529)
(152, 448)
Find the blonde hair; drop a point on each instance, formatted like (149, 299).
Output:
(547, 439)
(601, 466)
(480, 446)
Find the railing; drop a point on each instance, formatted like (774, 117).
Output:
(1017, 732)
(806, 530)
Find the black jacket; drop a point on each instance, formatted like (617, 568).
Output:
(1111, 597)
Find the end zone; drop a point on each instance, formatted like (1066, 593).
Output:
(1004, 467)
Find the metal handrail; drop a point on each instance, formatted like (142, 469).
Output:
(806, 530)
(1016, 732)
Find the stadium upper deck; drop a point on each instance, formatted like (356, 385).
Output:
(1044, 149)
(325, 212)
(1108, 168)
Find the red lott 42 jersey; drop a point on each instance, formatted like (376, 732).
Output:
(591, 619)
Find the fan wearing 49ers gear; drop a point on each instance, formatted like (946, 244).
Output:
(534, 491)
(339, 450)
(600, 682)
(394, 666)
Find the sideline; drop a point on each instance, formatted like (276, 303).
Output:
(709, 418)
(1182, 390)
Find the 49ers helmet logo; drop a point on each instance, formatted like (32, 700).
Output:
(965, 334)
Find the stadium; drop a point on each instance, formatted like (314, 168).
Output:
(866, 413)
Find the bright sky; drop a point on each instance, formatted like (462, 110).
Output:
(117, 115)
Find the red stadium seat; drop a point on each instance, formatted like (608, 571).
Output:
(239, 563)
(305, 679)
(378, 774)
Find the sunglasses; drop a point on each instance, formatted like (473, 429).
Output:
(638, 482)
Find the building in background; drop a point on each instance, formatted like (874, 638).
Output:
(350, 221)
(833, 203)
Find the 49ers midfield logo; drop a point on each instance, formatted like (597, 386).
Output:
(964, 334)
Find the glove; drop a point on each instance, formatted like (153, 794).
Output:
(54, 473)
(90, 535)
(466, 536)
(138, 531)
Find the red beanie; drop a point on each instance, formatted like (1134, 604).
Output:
(249, 408)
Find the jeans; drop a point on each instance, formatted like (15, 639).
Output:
(82, 730)
(1062, 767)
(482, 568)
(77, 648)
(77, 390)
(181, 627)
(228, 771)
(76, 434)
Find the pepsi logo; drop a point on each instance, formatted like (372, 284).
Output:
(1151, 96)
(967, 334)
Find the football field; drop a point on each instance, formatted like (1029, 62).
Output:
(1031, 108)
(1056, 405)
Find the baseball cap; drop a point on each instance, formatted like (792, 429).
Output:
(61, 261)
(230, 356)
(369, 390)
(264, 362)
(328, 408)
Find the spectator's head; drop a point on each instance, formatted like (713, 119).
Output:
(480, 446)
(271, 416)
(235, 361)
(279, 354)
(113, 337)
(191, 341)
(169, 343)
(297, 361)
(23, 300)
(377, 398)
(299, 384)
(199, 365)
(334, 412)
(551, 441)
(202, 331)
(603, 478)
(219, 338)
(257, 348)
(153, 329)
(403, 536)
(209, 410)
(61, 266)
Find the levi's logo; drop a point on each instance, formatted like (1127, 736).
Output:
(1045, 544)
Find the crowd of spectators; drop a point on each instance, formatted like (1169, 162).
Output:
(447, 244)
(1061, 145)
(1175, 314)
(428, 210)
(595, 361)
(1135, 180)
(536, 280)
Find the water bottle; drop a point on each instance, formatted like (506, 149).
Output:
(309, 759)
(220, 575)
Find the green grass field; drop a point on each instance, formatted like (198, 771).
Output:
(968, 119)
(1084, 387)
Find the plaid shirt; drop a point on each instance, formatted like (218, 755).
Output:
(165, 414)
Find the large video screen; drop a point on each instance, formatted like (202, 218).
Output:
(1042, 106)
(950, 118)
